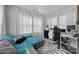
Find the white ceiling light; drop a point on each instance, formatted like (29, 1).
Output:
(40, 10)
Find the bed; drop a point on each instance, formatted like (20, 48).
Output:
(32, 43)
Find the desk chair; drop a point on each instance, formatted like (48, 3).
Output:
(57, 33)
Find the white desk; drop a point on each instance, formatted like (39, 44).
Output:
(70, 36)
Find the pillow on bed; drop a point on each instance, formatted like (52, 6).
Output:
(20, 40)
(17, 38)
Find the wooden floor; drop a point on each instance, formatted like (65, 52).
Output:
(50, 48)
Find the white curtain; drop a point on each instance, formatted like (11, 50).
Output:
(37, 24)
(1, 18)
(29, 24)
(71, 20)
(62, 21)
(54, 22)
(49, 23)
(25, 22)
(67, 19)
(21, 22)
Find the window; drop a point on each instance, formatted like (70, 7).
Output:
(20, 22)
(25, 22)
(54, 22)
(29, 24)
(37, 24)
(62, 21)
(49, 23)
(71, 18)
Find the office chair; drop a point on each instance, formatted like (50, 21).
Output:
(57, 33)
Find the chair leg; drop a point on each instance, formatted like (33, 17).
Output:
(58, 45)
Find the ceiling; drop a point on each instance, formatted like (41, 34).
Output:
(44, 9)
